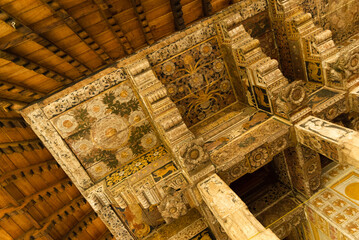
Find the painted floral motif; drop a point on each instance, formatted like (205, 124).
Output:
(96, 108)
(149, 140)
(124, 155)
(67, 123)
(110, 132)
(218, 65)
(123, 93)
(119, 175)
(197, 81)
(110, 129)
(168, 68)
(205, 49)
(83, 147)
(136, 117)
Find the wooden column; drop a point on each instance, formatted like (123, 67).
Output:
(231, 212)
(331, 140)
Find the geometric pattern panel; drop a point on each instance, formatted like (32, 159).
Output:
(197, 81)
(107, 131)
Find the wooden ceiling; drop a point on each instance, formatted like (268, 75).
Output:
(44, 46)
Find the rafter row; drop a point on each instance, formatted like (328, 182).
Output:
(76, 28)
(31, 200)
(13, 122)
(11, 41)
(107, 14)
(58, 216)
(176, 7)
(20, 146)
(8, 105)
(83, 223)
(30, 170)
(142, 18)
(20, 90)
(18, 60)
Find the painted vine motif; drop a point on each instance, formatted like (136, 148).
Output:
(107, 131)
(197, 81)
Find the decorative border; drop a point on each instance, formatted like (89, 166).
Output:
(121, 174)
(91, 90)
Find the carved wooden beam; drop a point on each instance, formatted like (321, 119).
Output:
(207, 7)
(8, 105)
(20, 146)
(29, 201)
(177, 14)
(14, 39)
(13, 122)
(18, 60)
(58, 216)
(30, 170)
(82, 224)
(76, 28)
(107, 13)
(20, 90)
(142, 18)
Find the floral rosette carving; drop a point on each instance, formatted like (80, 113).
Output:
(193, 153)
(344, 66)
(172, 207)
(291, 97)
(258, 157)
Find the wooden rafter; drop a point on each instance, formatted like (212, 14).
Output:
(13, 122)
(114, 25)
(76, 28)
(137, 5)
(28, 201)
(30, 170)
(20, 146)
(18, 60)
(176, 7)
(207, 7)
(56, 217)
(28, 34)
(11, 105)
(85, 221)
(20, 90)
